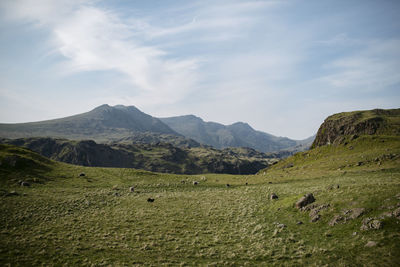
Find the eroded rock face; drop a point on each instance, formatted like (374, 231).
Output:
(354, 124)
(305, 200)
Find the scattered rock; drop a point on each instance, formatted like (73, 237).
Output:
(355, 233)
(396, 213)
(246, 183)
(315, 209)
(336, 219)
(289, 165)
(117, 194)
(273, 196)
(281, 225)
(315, 218)
(299, 223)
(132, 189)
(371, 244)
(360, 163)
(195, 183)
(328, 234)
(150, 199)
(371, 223)
(357, 212)
(305, 200)
(228, 185)
(387, 214)
(347, 215)
(82, 174)
(336, 186)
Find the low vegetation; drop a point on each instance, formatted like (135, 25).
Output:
(77, 215)
(158, 157)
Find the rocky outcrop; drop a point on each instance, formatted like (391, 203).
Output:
(158, 157)
(354, 124)
(305, 200)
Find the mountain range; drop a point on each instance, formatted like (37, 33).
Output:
(112, 123)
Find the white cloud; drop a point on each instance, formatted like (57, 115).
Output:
(371, 68)
(91, 38)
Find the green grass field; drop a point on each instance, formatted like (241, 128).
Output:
(66, 219)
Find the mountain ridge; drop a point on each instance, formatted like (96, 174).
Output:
(109, 123)
(238, 134)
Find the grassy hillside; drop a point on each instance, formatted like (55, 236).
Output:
(159, 157)
(67, 219)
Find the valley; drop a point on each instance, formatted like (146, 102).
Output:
(53, 213)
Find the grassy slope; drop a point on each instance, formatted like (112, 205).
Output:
(66, 219)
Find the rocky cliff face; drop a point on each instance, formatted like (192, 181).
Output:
(158, 157)
(371, 122)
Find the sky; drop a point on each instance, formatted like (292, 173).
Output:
(282, 66)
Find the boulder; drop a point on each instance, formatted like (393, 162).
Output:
(371, 244)
(357, 212)
(371, 223)
(305, 200)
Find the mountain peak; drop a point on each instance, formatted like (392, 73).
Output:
(242, 125)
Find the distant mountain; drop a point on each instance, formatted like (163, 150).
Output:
(102, 124)
(127, 123)
(221, 136)
(337, 127)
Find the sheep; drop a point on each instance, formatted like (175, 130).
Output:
(25, 183)
(273, 196)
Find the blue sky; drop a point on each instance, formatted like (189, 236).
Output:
(281, 66)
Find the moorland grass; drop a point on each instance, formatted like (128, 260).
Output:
(67, 219)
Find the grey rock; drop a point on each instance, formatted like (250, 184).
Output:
(371, 244)
(305, 200)
(315, 218)
(336, 220)
(396, 213)
(357, 212)
(371, 224)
